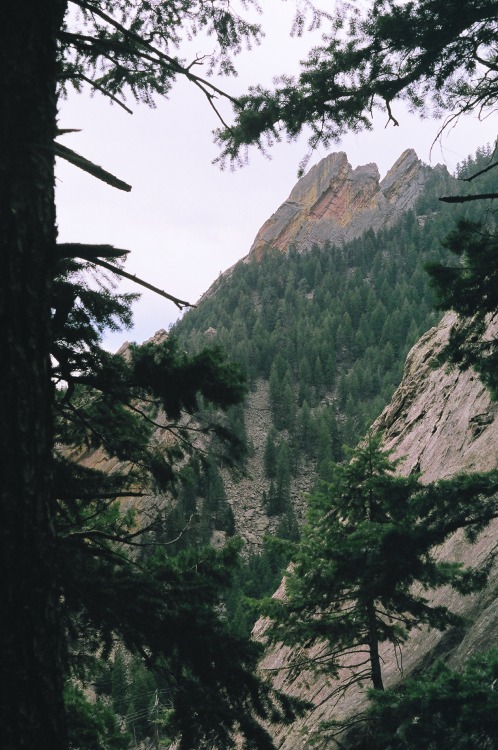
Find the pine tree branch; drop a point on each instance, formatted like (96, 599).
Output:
(170, 61)
(103, 91)
(481, 172)
(181, 304)
(87, 166)
(468, 198)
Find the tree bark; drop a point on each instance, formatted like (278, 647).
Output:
(31, 709)
(373, 646)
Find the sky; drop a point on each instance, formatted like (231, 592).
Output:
(186, 221)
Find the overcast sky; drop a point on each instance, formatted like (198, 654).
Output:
(185, 221)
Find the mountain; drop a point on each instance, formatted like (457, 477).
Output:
(332, 317)
(335, 203)
(440, 422)
(323, 330)
(321, 314)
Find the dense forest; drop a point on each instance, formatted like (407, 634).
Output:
(127, 601)
(329, 329)
(328, 332)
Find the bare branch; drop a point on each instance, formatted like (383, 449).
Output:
(181, 304)
(481, 171)
(89, 252)
(103, 91)
(468, 198)
(90, 167)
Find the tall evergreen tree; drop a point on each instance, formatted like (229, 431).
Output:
(370, 537)
(166, 609)
(471, 289)
(44, 50)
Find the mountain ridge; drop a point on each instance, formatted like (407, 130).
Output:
(337, 203)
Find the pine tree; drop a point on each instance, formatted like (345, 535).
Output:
(370, 536)
(270, 454)
(45, 50)
(471, 289)
(162, 607)
(92, 725)
(443, 709)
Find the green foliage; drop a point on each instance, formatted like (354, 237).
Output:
(470, 286)
(330, 327)
(92, 725)
(471, 289)
(443, 710)
(121, 580)
(438, 56)
(132, 51)
(370, 536)
(270, 455)
(257, 576)
(170, 610)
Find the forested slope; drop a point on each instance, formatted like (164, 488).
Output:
(323, 336)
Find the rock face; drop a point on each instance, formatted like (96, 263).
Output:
(440, 422)
(337, 203)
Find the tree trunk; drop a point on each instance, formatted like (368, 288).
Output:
(31, 711)
(373, 646)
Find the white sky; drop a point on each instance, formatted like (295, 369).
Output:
(185, 221)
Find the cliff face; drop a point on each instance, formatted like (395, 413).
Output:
(337, 203)
(440, 422)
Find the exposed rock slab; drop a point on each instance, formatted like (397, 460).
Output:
(337, 203)
(440, 422)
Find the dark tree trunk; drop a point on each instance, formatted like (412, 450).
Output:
(31, 712)
(373, 646)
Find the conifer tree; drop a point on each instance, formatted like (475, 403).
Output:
(165, 609)
(471, 289)
(115, 50)
(369, 538)
(444, 709)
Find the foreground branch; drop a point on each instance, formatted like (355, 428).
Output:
(88, 166)
(181, 304)
(468, 198)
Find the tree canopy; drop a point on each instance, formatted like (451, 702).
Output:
(367, 558)
(447, 709)
(439, 57)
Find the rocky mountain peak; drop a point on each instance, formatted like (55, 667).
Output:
(337, 203)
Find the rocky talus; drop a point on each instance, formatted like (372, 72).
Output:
(246, 495)
(440, 422)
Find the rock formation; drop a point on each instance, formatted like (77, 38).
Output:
(440, 422)
(337, 203)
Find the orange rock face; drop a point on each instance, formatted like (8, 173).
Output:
(337, 203)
